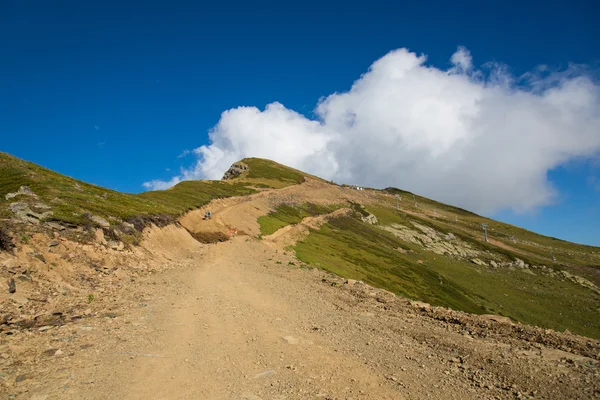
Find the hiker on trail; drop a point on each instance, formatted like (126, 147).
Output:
(207, 215)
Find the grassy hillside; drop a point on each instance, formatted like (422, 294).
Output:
(286, 215)
(72, 201)
(416, 269)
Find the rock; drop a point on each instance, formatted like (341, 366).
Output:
(116, 245)
(44, 328)
(519, 263)
(265, 374)
(12, 286)
(11, 263)
(479, 262)
(39, 257)
(22, 211)
(21, 378)
(99, 236)
(450, 236)
(421, 305)
(53, 243)
(369, 219)
(290, 339)
(58, 352)
(350, 282)
(50, 352)
(23, 190)
(100, 221)
(494, 264)
(55, 226)
(235, 170)
(128, 227)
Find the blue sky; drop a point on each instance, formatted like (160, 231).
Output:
(113, 92)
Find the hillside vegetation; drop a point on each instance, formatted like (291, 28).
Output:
(353, 249)
(71, 201)
(407, 244)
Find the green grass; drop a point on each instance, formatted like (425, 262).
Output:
(267, 173)
(72, 199)
(352, 249)
(287, 215)
(529, 246)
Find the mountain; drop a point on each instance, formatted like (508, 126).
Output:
(292, 277)
(392, 239)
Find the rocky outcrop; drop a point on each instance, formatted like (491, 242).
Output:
(23, 190)
(369, 219)
(24, 212)
(235, 170)
(432, 240)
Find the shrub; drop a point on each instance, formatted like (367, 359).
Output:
(142, 221)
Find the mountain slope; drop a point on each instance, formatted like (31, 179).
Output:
(408, 244)
(71, 200)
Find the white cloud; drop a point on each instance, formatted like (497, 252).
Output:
(475, 137)
(184, 153)
(462, 59)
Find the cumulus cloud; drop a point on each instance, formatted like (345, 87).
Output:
(462, 59)
(479, 138)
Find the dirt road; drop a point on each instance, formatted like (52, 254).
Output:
(239, 321)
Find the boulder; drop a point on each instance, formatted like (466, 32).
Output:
(100, 221)
(369, 219)
(22, 211)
